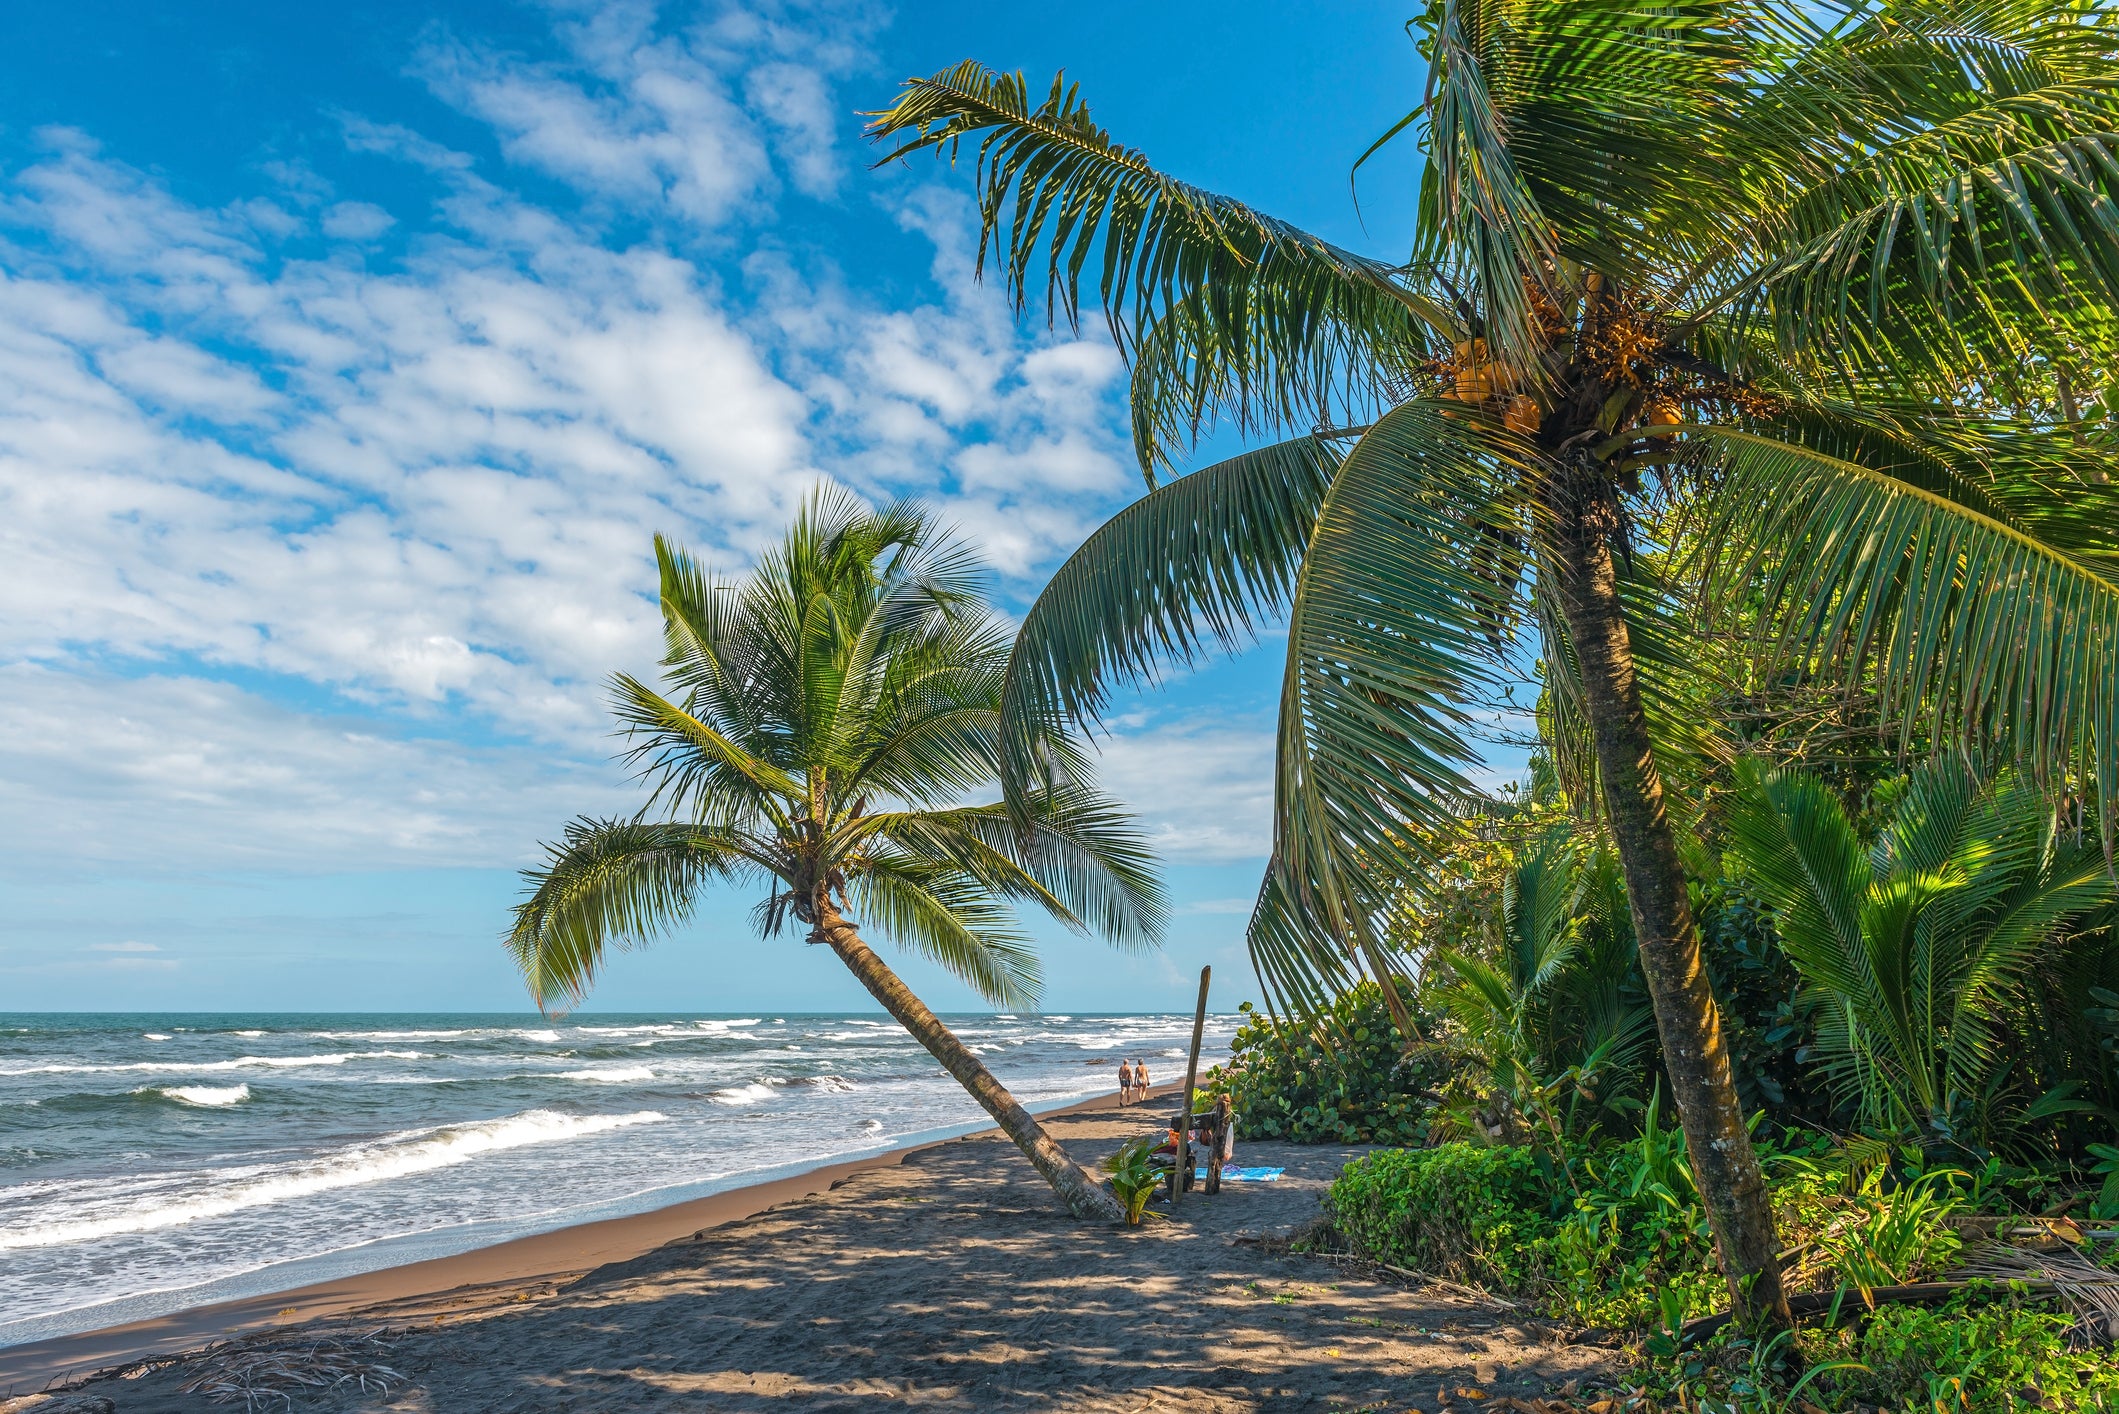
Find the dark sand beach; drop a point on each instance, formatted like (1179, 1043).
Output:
(945, 1278)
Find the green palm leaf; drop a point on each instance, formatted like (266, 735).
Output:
(1963, 622)
(624, 881)
(1205, 558)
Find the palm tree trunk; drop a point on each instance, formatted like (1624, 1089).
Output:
(1083, 1195)
(1580, 527)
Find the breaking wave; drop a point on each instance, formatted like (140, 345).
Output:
(228, 1191)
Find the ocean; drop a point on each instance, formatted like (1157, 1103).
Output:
(154, 1162)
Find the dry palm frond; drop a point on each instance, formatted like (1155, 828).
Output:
(260, 1375)
(2090, 1291)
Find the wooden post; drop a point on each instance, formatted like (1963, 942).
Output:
(1184, 1125)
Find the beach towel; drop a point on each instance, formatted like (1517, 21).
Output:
(1236, 1173)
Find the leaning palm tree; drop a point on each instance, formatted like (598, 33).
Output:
(1827, 277)
(1911, 948)
(828, 714)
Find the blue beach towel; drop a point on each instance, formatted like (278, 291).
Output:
(1232, 1173)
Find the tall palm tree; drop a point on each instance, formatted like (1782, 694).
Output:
(1913, 946)
(1831, 272)
(828, 713)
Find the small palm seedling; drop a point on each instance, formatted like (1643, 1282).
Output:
(1135, 1176)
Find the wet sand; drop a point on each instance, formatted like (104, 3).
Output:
(949, 1279)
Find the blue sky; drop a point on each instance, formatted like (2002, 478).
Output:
(350, 355)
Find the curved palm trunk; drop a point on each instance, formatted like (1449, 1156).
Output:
(1083, 1195)
(1695, 1051)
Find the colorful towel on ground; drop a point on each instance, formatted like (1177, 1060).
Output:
(1236, 1173)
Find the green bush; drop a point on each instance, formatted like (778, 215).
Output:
(1476, 1214)
(1361, 1088)
(1637, 1252)
(1975, 1356)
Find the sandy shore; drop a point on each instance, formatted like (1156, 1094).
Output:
(947, 1277)
(501, 1269)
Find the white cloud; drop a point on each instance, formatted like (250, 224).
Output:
(356, 221)
(127, 946)
(1204, 791)
(176, 772)
(1219, 906)
(448, 497)
(421, 490)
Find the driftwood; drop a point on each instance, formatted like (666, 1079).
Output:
(1847, 1303)
(2090, 1291)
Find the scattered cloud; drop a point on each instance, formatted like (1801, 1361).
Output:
(1204, 790)
(126, 947)
(1241, 906)
(188, 773)
(318, 552)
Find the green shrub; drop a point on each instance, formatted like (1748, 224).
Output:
(1974, 1356)
(1637, 1252)
(1362, 1088)
(1476, 1214)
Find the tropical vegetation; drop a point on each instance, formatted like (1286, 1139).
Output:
(1349, 1079)
(826, 717)
(1740, 337)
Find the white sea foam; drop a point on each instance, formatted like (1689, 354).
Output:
(377, 1035)
(208, 1096)
(226, 1191)
(742, 1094)
(616, 1075)
(538, 1035)
(871, 1124)
(239, 1063)
(153, 1036)
(830, 1084)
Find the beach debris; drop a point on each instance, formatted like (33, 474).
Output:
(2088, 1290)
(262, 1376)
(66, 1403)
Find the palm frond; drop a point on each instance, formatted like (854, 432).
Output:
(945, 917)
(1963, 624)
(1300, 964)
(614, 882)
(1937, 180)
(1204, 558)
(1388, 636)
(1056, 194)
(1296, 364)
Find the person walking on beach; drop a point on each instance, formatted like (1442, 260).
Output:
(1125, 1083)
(1140, 1080)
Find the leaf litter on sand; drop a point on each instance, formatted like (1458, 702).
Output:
(260, 1375)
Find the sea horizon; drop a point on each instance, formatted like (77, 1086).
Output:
(155, 1161)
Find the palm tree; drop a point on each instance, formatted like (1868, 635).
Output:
(828, 713)
(1822, 276)
(1912, 947)
(1544, 1016)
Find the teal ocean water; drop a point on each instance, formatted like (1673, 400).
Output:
(158, 1161)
